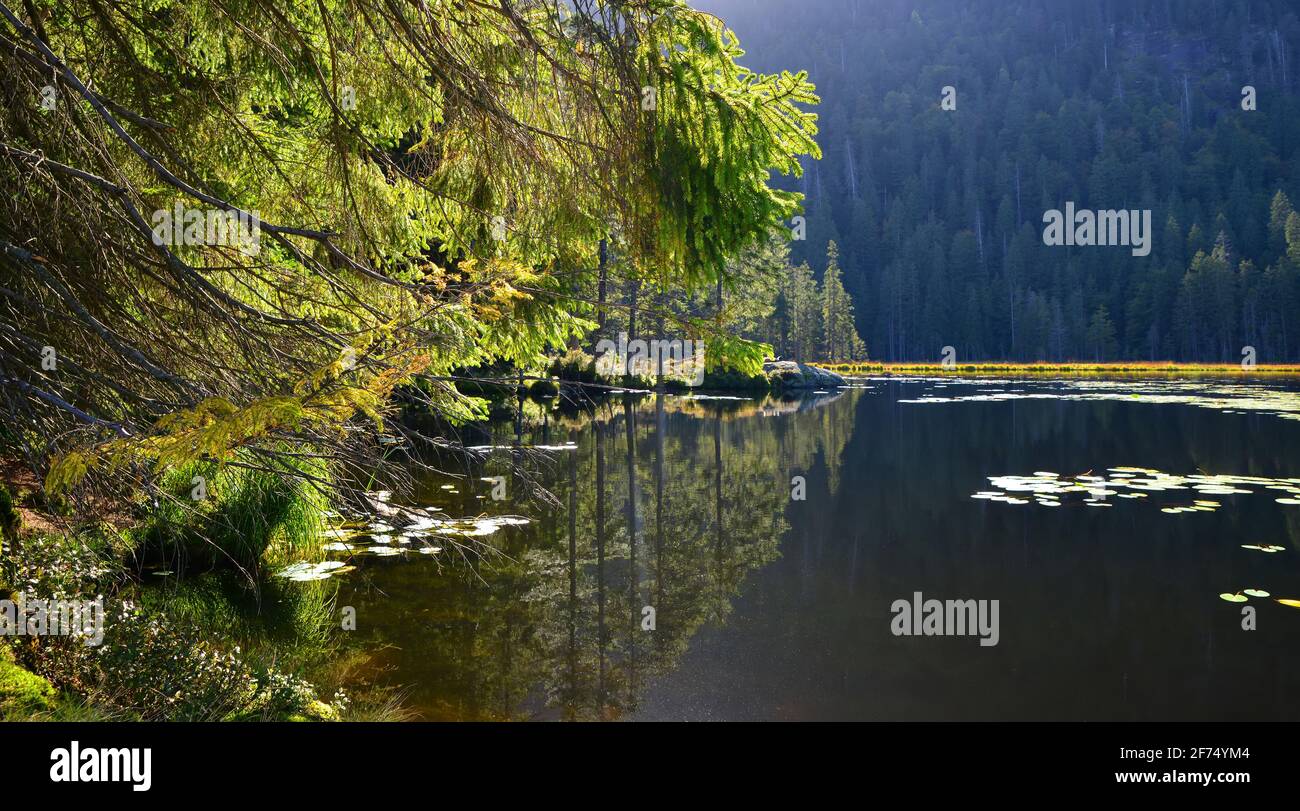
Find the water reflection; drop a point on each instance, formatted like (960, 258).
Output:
(642, 533)
(766, 606)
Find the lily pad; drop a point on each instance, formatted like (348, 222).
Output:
(305, 571)
(1264, 548)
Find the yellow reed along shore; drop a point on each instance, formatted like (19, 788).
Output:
(1133, 368)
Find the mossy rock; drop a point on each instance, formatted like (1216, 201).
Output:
(22, 693)
(788, 374)
(320, 711)
(314, 712)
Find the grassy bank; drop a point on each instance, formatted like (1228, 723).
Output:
(195, 625)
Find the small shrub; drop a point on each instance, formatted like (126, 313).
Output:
(574, 366)
(155, 669)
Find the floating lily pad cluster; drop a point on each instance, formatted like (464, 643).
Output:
(1228, 398)
(391, 531)
(1241, 596)
(305, 571)
(1048, 489)
(1245, 594)
(395, 530)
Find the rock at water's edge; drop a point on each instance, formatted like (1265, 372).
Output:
(789, 374)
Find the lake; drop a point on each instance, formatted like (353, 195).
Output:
(696, 558)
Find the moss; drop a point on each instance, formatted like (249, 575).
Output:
(315, 711)
(320, 711)
(22, 693)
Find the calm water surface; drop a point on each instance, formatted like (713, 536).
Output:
(773, 607)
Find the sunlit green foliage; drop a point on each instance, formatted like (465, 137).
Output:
(431, 181)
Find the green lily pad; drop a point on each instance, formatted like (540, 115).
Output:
(303, 572)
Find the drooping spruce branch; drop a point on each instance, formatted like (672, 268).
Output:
(430, 183)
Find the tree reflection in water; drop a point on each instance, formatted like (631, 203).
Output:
(666, 502)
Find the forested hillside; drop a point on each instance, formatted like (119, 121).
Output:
(937, 213)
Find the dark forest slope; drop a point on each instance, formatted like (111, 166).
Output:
(938, 214)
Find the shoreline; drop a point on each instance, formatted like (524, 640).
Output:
(1126, 368)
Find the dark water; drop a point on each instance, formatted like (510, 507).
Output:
(768, 607)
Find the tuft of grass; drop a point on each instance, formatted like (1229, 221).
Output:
(248, 516)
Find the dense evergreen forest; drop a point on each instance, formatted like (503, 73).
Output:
(937, 214)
